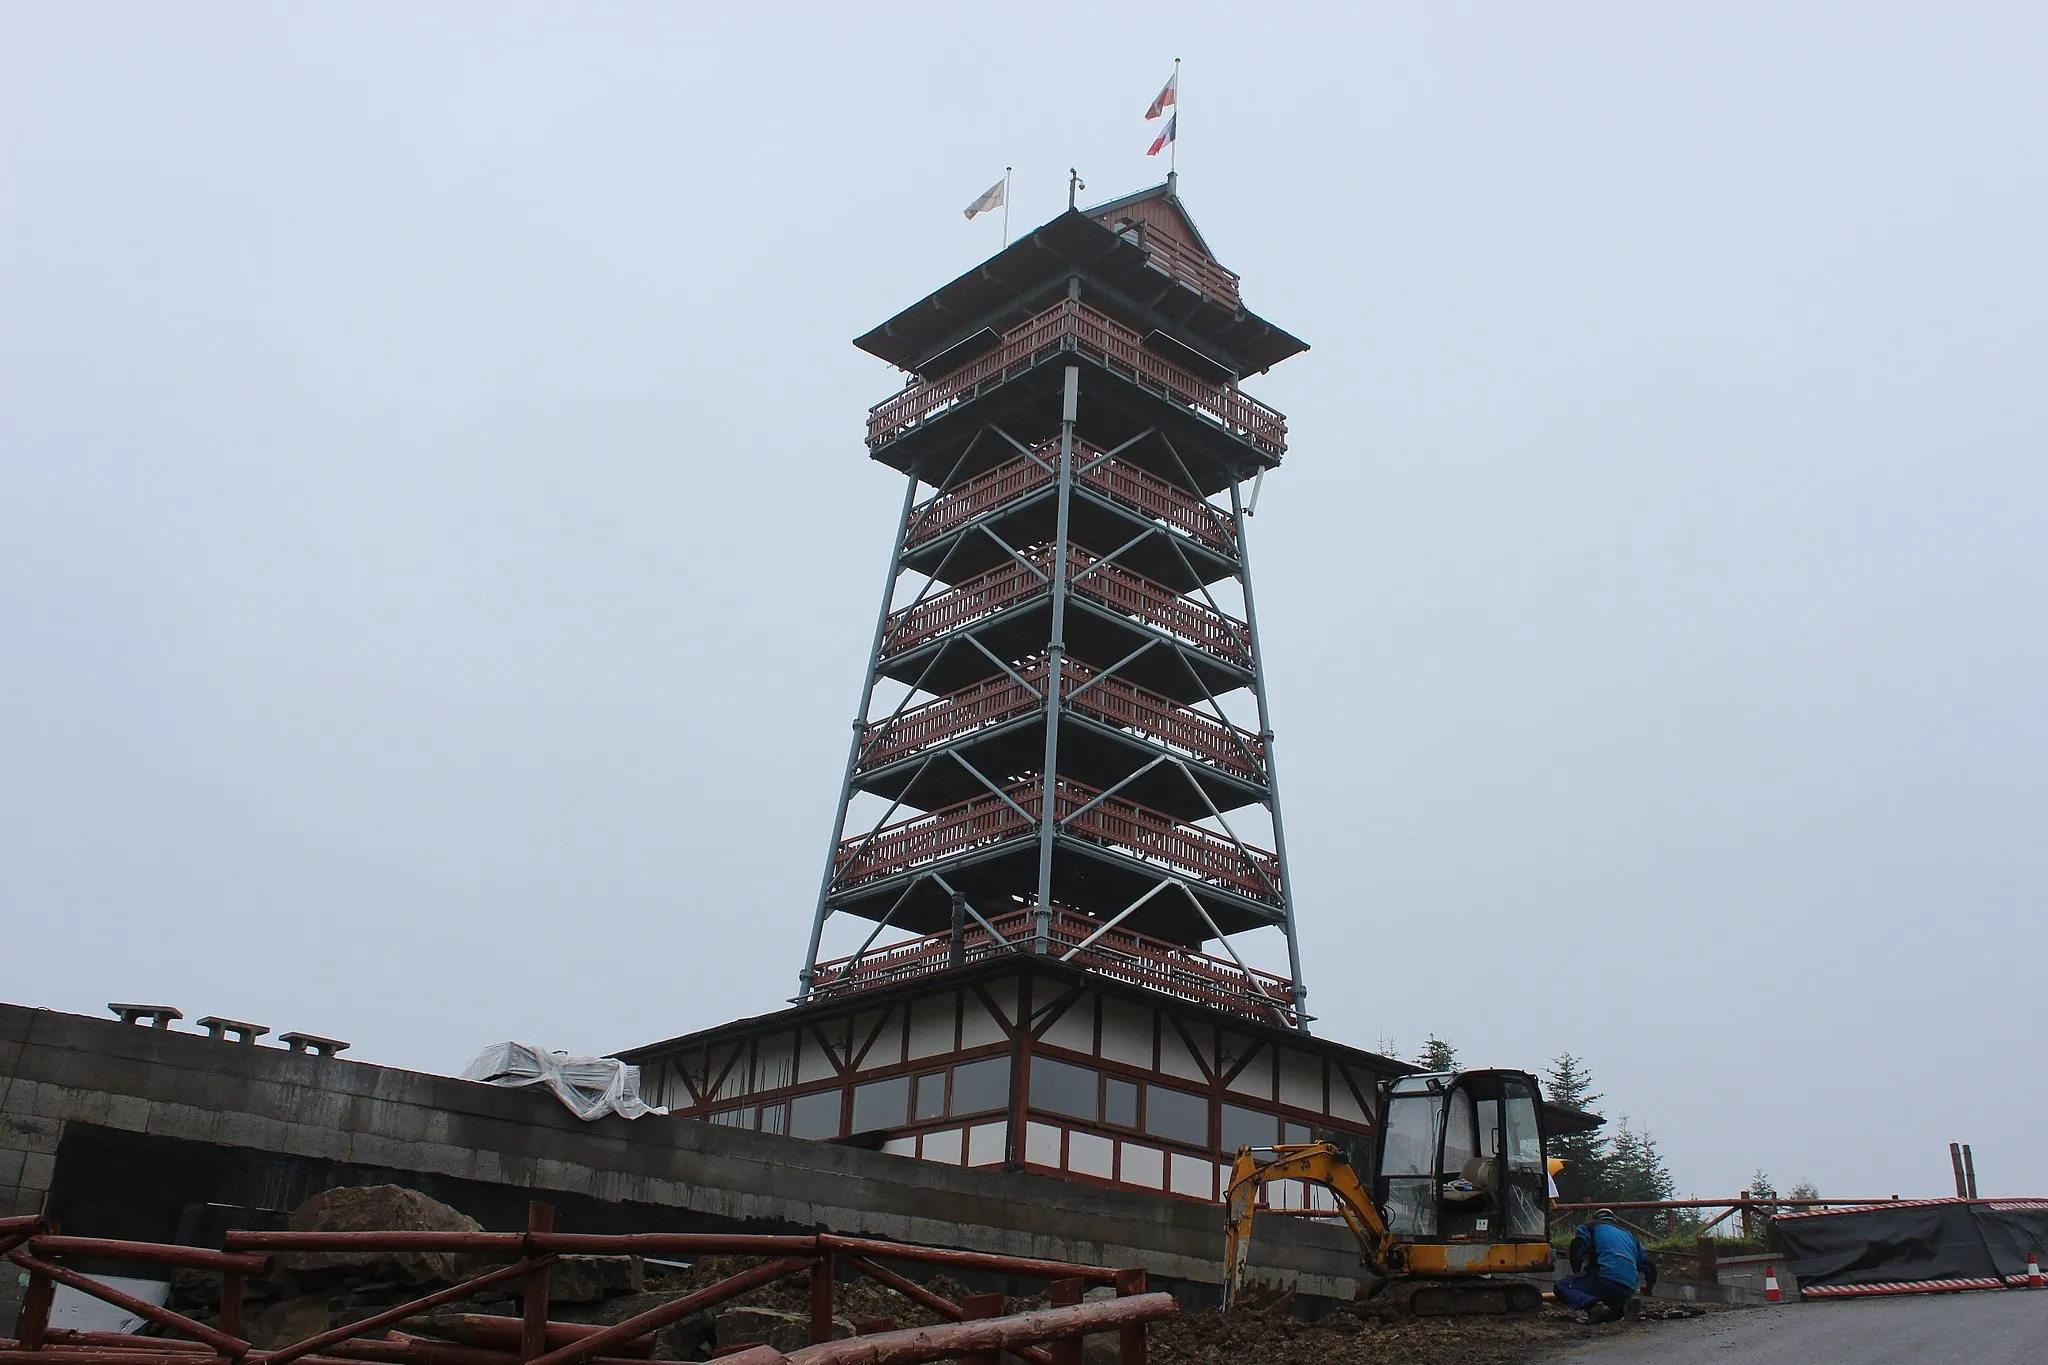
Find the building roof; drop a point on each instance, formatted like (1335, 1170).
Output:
(1006, 964)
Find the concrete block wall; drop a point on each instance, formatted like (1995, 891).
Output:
(60, 1069)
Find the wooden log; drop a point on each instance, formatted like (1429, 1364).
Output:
(950, 1341)
(148, 1312)
(656, 1318)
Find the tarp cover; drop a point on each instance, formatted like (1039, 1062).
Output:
(1915, 1246)
(591, 1086)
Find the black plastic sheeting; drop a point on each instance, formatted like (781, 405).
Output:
(1914, 1246)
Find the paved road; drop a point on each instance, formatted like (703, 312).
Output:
(1989, 1327)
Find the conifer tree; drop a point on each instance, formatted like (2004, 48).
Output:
(1437, 1055)
(1569, 1085)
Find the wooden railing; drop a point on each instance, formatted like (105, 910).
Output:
(1125, 482)
(1111, 584)
(1003, 698)
(975, 1328)
(1191, 267)
(1190, 850)
(1119, 953)
(1071, 325)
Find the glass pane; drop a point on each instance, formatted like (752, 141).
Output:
(1120, 1102)
(1411, 1206)
(881, 1104)
(1061, 1088)
(1459, 1142)
(1489, 1128)
(1294, 1134)
(742, 1117)
(931, 1096)
(1411, 1135)
(1248, 1128)
(815, 1116)
(1525, 1145)
(982, 1085)
(1177, 1114)
(1528, 1181)
(774, 1118)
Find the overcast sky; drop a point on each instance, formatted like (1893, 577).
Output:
(437, 547)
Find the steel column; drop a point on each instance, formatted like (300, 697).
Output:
(860, 720)
(1056, 652)
(1251, 620)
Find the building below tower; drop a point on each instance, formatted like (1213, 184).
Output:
(1087, 1068)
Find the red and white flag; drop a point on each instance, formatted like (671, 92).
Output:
(1165, 138)
(1167, 97)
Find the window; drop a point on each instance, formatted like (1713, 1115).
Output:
(982, 1085)
(1060, 1088)
(1248, 1128)
(774, 1118)
(1120, 1102)
(931, 1096)
(815, 1116)
(1176, 1114)
(881, 1104)
(1294, 1134)
(742, 1117)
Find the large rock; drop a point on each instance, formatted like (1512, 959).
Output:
(379, 1208)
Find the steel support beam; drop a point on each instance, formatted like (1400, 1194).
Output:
(1056, 651)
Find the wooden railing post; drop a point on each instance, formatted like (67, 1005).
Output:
(1130, 1343)
(821, 1299)
(1065, 1350)
(533, 1333)
(35, 1311)
(982, 1306)
(231, 1284)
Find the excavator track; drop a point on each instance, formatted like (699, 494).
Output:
(1477, 1296)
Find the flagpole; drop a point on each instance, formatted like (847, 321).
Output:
(1173, 147)
(1006, 205)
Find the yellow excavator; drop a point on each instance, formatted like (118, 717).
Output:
(1456, 1201)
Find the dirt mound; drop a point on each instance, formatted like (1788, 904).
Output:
(1342, 1338)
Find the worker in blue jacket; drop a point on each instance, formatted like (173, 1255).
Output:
(1609, 1266)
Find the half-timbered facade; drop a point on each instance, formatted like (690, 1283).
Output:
(1038, 1064)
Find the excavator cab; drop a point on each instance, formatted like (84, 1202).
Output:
(1461, 1165)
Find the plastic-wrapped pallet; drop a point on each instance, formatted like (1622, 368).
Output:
(591, 1086)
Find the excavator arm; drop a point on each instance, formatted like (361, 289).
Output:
(1318, 1163)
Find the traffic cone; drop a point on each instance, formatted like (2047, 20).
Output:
(1771, 1294)
(2033, 1271)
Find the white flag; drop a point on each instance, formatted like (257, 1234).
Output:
(992, 198)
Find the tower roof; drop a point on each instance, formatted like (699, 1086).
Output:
(1164, 193)
(1164, 269)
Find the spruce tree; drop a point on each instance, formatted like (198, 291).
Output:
(1437, 1055)
(1569, 1085)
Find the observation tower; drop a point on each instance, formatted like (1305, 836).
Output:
(1063, 746)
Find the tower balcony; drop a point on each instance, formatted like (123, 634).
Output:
(1088, 576)
(1118, 480)
(987, 824)
(1071, 326)
(1084, 941)
(999, 702)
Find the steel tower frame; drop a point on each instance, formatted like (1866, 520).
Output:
(1026, 651)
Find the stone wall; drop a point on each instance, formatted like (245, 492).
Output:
(73, 1089)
